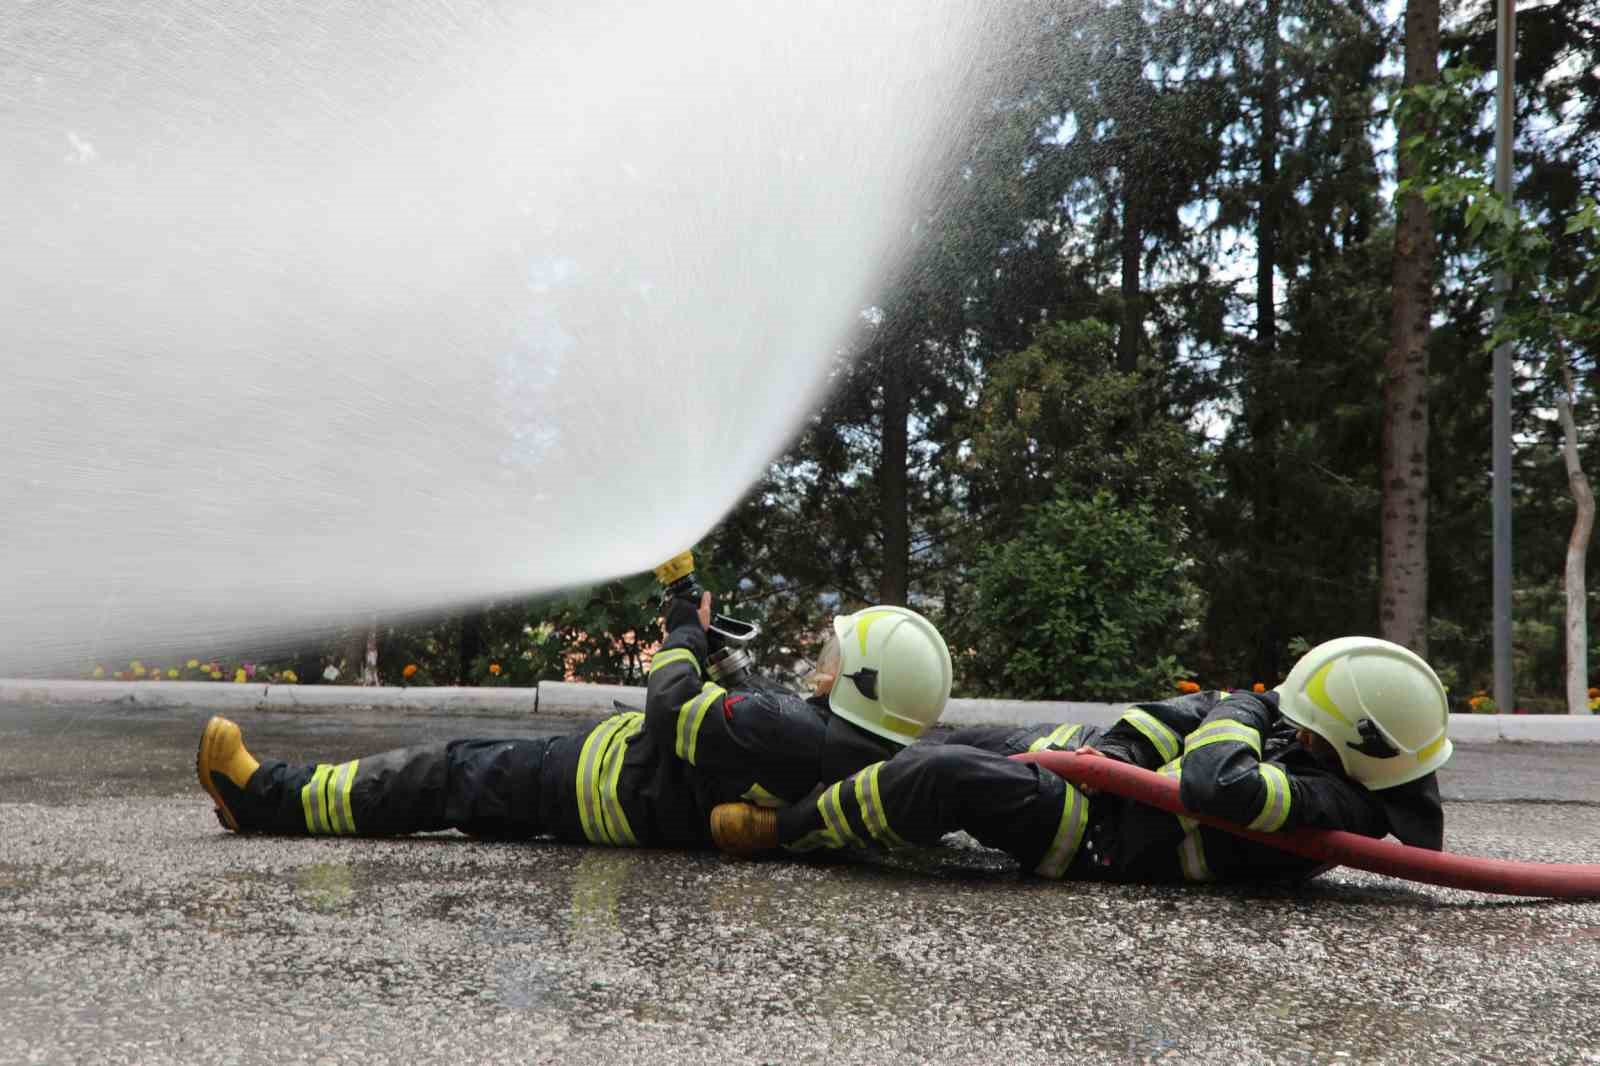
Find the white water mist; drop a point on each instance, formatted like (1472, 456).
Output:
(312, 311)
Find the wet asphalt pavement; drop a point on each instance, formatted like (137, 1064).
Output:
(134, 930)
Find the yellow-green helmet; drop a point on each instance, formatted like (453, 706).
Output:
(1378, 704)
(894, 672)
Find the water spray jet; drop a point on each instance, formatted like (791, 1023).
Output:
(312, 313)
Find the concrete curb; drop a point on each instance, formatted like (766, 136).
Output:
(561, 698)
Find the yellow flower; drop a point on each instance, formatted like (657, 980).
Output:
(99, 673)
(494, 668)
(216, 675)
(193, 664)
(409, 672)
(172, 673)
(239, 676)
(289, 676)
(136, 668)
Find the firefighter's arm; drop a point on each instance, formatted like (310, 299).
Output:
(1224, 775)
(677, 679)
(1150, 735)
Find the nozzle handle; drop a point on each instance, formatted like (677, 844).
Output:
(675, 569)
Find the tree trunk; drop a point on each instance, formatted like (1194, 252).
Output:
(1577, 554)
(1261, 415)
(1132, 330)
(895, 575)
(369, 669)
(1403, 607)
(471, 645)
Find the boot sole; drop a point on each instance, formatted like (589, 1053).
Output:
(213, 740)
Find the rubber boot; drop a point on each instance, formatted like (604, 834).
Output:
(744, 830)
(225, 768)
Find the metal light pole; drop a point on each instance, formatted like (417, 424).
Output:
(1506, 17)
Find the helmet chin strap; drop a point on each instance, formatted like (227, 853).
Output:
(865, 679)
(1373, 742)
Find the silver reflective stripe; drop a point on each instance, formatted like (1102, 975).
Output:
(1060, 736)
(1166, 741)
(617, 829)
(594, 747)
(1068, 838)
(1275, 808)
(870, 802)
(340, 817)
(1192, 856)
(1221, 731)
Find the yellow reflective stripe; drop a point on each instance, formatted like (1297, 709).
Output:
(330, 803)
(1191, 852)
(1222, 731)
(310, 796)
(870, 800)
(864, 622)
(817, 838)
(1275, 808)
(1061, 735)
(1317, 693)
(336, 797)
(894, 839)
(674, 655)
(1174, 770)
(617, 828)
(594, 745)
(1068, 838)
(1192, 856)
(1164, 738)
(762, 798)
(599, 767)
(314, 801)
(1430, 750)
(690, 715)
(832, 808)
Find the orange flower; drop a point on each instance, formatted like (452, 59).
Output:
(494, 668)
(1594, 693)
(1258, 687)
(409, 672)
(1186, 687)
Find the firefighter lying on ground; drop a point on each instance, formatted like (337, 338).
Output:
(1350, 741)
(646, 779)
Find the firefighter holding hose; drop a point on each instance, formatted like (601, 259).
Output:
(711, 732)
(1350, 741)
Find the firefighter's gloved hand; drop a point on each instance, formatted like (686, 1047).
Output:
(683, 611)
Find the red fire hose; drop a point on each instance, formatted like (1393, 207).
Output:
(1560, 880)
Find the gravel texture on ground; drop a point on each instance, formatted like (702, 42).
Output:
(134, 930)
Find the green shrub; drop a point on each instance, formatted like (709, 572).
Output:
(1089, 602)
